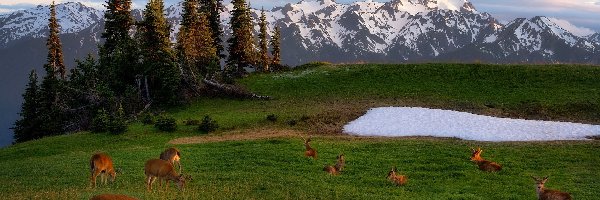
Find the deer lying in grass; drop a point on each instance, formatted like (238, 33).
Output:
(484, 165)
(157, 168)
(172, 155)
(101, 163)
(338, 167)
(310, 152)
(112, 197)
(397, 179)
(545, 194)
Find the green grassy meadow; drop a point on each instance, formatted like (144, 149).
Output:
(318, 101)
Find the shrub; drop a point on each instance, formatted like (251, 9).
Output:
(292, 122)
(100, 122)
(118, 123)
(208, 125)
(115, 124)
(167, 124)
(272, 117)
(148, 119)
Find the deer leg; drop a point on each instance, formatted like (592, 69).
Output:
(149, 181)
(93, 178)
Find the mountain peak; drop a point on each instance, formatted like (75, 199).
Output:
(416, 6)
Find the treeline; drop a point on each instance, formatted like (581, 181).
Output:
(139, 68)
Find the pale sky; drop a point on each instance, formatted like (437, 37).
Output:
(584, 14)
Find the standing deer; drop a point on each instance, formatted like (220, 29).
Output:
(484, 165)
(546, 194)
(101, 163)
(310, 152)
(397, 179)
(112, 197)
(172, 155)
(338, 167)
(157, 168)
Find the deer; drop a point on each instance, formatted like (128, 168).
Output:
(112, 197)
(546, 194)
(172, 155)
(161, 169)
(310, 152)
(338, 167)
(101, 163)
(484, 165)
(399, 180)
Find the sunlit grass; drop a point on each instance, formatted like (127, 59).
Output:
(320, 100)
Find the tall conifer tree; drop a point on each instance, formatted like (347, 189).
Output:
(241, 43)
(119, 54)
(55, 53)
(195, 47)
(52, 102)
(276, 45)
(27, 128)
(158, 58)
(213, 9)
(262, 36)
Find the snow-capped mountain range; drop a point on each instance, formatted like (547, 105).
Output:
(364, 31)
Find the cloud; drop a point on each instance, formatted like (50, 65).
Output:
(578, 31)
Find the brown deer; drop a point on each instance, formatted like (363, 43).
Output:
(112, 197)
(397, 179)
(545, 194)
(310, 152)
(101, 163)
(157, 168)
(172, 155)
(484, 165)
(338, 167)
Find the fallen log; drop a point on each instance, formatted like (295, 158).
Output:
(232, 90)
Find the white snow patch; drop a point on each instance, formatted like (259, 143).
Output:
(413, 121)
(575, 30)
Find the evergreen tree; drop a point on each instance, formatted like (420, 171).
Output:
(28, 127)
(213, 9)
(117, 23)
(55, 53)
(195, 47)
(158, 58)
(276, 45)
(52, 94)
(241, 43)
(87, 93)
(262, 36)
(119, 54)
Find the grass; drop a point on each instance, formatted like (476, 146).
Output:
(321, 100)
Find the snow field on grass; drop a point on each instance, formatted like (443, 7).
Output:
(414, 121)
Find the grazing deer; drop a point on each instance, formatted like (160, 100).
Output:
(338, 167)
(157, 168)
(545, 194)
(101, 163)
(310, 152)
(172, 155)
(397, 179)
(112, 197)
(484, 165)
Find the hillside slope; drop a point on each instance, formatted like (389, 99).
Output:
(320, 100)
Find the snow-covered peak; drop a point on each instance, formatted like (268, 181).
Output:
(417, 6)
(594, 38)
(575, 30)
(72, 18)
